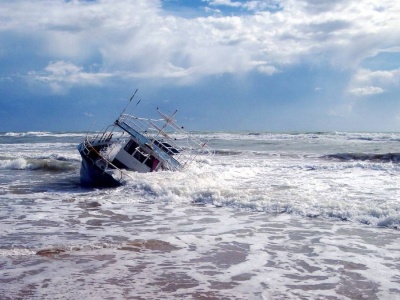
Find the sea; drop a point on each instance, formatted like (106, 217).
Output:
(266, 216)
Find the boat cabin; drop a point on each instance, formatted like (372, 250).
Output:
(134, 157)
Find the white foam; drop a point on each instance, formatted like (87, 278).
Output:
(14, 164)
(349, 191)
(35, 164)
(16, 252)
(41, 134)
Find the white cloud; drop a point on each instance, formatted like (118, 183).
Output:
(6, 79)
(269, 70)
(254, 5)
(379, 77)
(90, 115)
(225, 3)
(61, 75)
(366, 91)
(366, 82)
(136, 39)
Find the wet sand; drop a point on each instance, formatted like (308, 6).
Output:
(188, 251)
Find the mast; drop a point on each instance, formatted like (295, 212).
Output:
(130, 100)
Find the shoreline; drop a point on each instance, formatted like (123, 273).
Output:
(195, 251)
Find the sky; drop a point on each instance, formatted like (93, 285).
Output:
(225, 65)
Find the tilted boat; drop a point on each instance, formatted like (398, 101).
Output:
(137, 144)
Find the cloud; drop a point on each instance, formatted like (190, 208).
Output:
(254, 5)
(6, 79)
(225, 3)
(89, 115)
(382, 77)
(137, 39)
(366, 82)
(61, 75)
(269, 70)
(366, 91)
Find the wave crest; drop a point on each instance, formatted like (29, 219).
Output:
(36, 164)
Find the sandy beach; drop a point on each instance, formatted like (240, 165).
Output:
(202, 252)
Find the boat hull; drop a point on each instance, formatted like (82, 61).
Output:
(92, 175)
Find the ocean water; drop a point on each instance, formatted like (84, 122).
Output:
(268, 216)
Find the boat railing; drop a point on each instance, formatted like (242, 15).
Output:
(165, 134)
(99, 160)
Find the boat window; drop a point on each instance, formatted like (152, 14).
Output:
(131, 146)
(149, 161)
(167, 148)
(139, 156)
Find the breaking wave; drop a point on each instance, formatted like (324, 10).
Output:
(249, 188)
(36, 164)
(40, 134)
(29, 133)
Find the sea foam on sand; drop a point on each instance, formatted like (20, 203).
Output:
(146, 251)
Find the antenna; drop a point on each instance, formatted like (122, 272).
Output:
(129, 103)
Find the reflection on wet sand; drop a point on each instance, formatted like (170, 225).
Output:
(142, 251)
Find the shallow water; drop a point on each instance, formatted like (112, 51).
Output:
(269, 216)
(103, 250)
